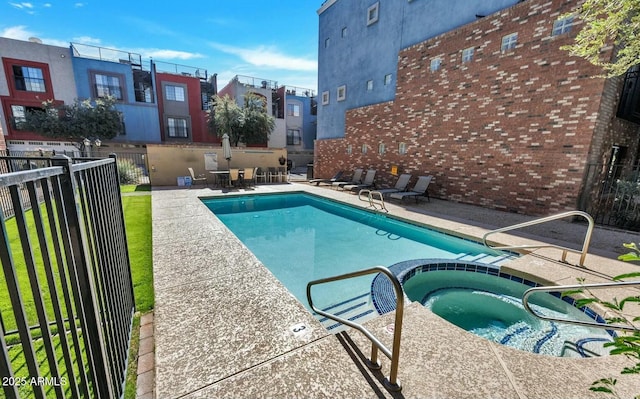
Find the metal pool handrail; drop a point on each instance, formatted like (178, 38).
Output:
(585, 243)
(530, 291)
(373, 202)
(392, 382)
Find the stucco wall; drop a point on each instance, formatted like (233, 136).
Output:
(167, 162)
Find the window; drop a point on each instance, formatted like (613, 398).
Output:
(342, 93)
(369, 85)
(435, 64)
(177, 127)
(562, 25)
(19, 115)
(467, 54)
(629, 105)
(349, 149)
(293, 137)
(387, 79)
(107, 85)
(402, 148)
(509, 42)
(325, 97)
(174, 93)
(293, 110)
(327, 41)
(344, 32)
(364, 149)
(28, 79)
(381, 148)
(372, 14)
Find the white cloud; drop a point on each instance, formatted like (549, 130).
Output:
(165, 54)
(270, 57)
(22, 5)
(19, 32)
(78, 5)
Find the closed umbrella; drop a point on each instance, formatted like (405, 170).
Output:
(226, 149)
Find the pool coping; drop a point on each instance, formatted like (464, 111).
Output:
(206, 331)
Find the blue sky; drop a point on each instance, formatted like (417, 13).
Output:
(275, 40)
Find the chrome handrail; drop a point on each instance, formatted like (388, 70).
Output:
(530, 291)
(585, 243)
(373, 201)
(392, 382)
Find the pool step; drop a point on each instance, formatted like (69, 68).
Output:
(488, 259)
(357, 309)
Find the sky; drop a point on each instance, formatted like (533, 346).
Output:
(273, 40)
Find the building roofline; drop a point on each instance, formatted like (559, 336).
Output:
(325, 5)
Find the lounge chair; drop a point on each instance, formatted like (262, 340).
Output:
(202, 178)
(419, 190)
(335, 178)
(366, 183)
(401, 185)
(355, 179)
(234, 177)
(248, 177)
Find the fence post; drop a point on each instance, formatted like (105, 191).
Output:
(88, 309)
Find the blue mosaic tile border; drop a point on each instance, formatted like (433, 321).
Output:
(384, 298)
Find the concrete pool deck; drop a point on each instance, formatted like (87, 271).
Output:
(223, 325)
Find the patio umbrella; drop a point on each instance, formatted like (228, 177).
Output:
(226, 149)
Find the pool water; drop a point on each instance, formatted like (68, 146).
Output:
(301, 237)
(491, 307)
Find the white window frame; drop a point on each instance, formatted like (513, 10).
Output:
(381, 148)
(341, 93)
(467, 54)
(387, 79)
(562, 25)
(325, 98)
(370, 85)
(327, 42)
(509, 42)
(349, 149)
(402, 148)
(173, 129)
(363, 149)
(343, 32)
(293, 109)
(435, 64)
(373, 13)
(177, 93)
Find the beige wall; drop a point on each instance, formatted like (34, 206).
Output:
(167, 162)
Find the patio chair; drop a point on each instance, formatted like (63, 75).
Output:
(202, 178)
(274, 175)
(234, 177)
(400, 186)
(355, 179)
(366, 183)
(419, 190)
(335, 178)
(260, 174)
(248, 177)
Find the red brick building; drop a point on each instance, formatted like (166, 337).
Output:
(497, 113)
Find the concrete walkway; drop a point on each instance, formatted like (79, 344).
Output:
(225, 327)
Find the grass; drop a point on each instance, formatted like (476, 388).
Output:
(137, 212)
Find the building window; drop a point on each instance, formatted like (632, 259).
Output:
(373, 14)
(509, 42)
(344, 32)
(293, 137)
(364, 149)
(369, 85)
(562, 25)
(381, 148)
(28, 79)
(349, 149)
(435, 64)
(342, 93)
(177, 127)
(402, 148)
(325, 97)
(387, 79)
(467, 54)
(174, 93)
(293, 110)
(327, 41)
(107, 85)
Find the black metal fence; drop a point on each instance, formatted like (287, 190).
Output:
(614, 196)
(66, 296)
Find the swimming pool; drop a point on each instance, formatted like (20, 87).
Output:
(301, 237)
(488, 302)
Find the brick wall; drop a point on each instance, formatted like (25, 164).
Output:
(510, 130)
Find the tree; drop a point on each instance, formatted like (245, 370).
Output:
(606, 23)
(258, 124)
(250, 124)
(82, 119)
(226, 117)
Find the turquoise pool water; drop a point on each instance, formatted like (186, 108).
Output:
(301, 237)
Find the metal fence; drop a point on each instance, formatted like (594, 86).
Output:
(613, 198)
(67, 317)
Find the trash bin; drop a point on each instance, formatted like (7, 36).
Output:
(309, 171)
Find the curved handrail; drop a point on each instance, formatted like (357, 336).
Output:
(373, 201)
(585, 243)
(392, 382)
(531, 291)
